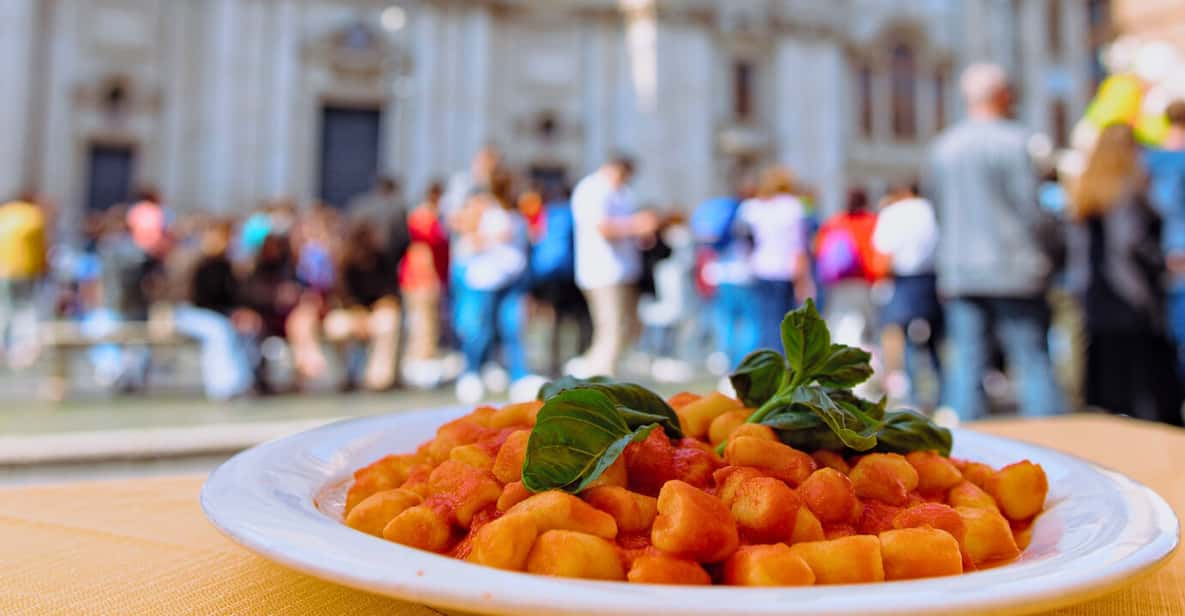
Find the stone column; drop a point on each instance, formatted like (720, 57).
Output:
(600, 68)
(221, 60)
(684, 115)
(642, 57)
(425, 103)
(284, 59)
(810, 121)
(1076, 25)
(60, 178)
(17, 36)
(473, 83)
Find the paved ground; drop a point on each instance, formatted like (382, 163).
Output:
(97, 437)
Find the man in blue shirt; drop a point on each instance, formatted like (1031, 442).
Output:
(1166, 170)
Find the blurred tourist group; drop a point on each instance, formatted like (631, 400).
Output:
(988, 262)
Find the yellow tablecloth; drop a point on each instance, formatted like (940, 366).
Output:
(144, 547)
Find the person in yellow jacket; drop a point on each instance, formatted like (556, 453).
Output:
(23, 263)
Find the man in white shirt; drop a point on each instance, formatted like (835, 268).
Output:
(608, 228)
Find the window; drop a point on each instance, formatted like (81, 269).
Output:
(1060, 120)
(904, 92)
(1053, 26)
(864, 85)
(939, 100)
(742, 90)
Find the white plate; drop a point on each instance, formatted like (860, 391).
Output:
(1099, 530)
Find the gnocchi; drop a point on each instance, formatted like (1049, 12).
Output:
(671, 510)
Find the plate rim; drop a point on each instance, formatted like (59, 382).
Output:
(1141, 562)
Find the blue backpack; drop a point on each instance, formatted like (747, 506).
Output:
(553, 257)
(712, 221)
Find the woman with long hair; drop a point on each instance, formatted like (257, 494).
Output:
(776, 221)
(1116, 267)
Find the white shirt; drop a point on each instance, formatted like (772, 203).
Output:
(907, 231)
(777, 225)
(501, 260)
(601, 262)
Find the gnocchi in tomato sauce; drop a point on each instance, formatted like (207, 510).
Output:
(673, 511)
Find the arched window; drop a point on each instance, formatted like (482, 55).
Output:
(742, 90)
(903, 72)
(864, 87)
(940, 99)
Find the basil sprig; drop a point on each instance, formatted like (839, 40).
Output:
(805, 395)
(584, 426)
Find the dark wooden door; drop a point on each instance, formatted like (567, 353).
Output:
(109, 175)
(350, 140)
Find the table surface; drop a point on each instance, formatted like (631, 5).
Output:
(143, 546)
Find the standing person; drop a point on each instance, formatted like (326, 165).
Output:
(422, 279)
(907, 233)
(734, 316)
(608, 228)
(1166, 170)
(495, 303)
(994, 265)
(848, 266)
(384, 210)
(23, 263)
(453, 207)
(1116, 266)
(776, 221)
(553, 274)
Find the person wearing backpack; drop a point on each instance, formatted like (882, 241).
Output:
(848, 266)
(726, 271)
(553, 276)
(776, 220)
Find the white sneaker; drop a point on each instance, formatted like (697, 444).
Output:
(669, 370)
(470, 389)
(946, 417)
(577, 367)
(526, 388)
(718, 363)
(495, 378)
(422, 374)
(725, 387)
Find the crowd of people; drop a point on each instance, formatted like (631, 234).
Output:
(978, 263)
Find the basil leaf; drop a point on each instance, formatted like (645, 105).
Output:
(757, 378)
(857, 405)
(845, 366)
(803, 430)
(563, 383)
(578, 434)
(856, 432)
(906, 431)
(640, 406)
(807, 343)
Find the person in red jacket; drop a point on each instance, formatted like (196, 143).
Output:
(848, 266)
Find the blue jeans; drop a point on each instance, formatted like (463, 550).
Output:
(735, 321)
(771, 300)
(225, 361)
(1021, 326)
(1176, 307)
(483, 315)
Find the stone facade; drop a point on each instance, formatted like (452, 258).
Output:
(1159, 20)
(219, 101)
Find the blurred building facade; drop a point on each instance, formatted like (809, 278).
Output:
(224, 103)
(1158, 20)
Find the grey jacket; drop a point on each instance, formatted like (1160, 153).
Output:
(982, 180)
